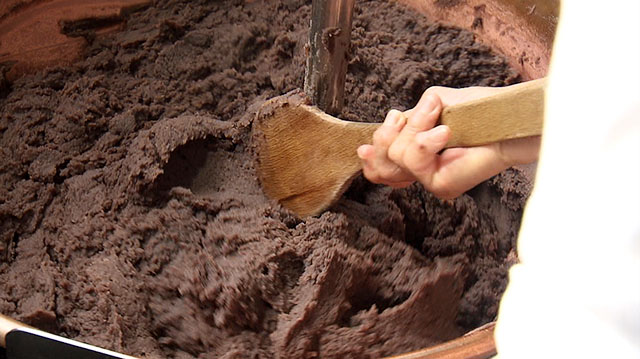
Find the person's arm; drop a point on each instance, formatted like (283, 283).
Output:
(575, 292)
(407, 148)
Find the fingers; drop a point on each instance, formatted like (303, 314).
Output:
(377, 167)
(421, 153)
(416, 146)
(460, 169)
(407, 147)
(403, 146)
(434, 140)
(422, 118)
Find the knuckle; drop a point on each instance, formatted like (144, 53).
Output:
(419, 158)
(388, 174)
(414, 166)
(382, 137)
(378, 136)
(413, 121)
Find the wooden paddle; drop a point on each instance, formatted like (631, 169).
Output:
(307, 159)
(477, 344)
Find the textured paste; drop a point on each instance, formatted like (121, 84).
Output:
(131, 217)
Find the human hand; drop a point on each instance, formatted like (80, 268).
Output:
(406, 148)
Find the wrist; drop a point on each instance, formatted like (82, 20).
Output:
(519, 151)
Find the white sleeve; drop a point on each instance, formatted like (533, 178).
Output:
(576, 292)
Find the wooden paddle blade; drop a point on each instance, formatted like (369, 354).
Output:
(306, 158)
(477, 344)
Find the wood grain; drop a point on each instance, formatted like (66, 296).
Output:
(477, 344)
(307, 159)
(516, 112)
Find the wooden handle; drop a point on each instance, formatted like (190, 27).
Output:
(477, 344)
(6, 325)
(307, 158)
(515, 111)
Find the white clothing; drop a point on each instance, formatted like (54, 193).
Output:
(576, 292)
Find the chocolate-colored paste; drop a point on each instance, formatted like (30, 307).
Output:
(131, 217)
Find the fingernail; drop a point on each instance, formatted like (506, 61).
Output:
(435, 107)
(428, 105)
(362, 151)
(393, 118)
(439, 133)
(400, 120)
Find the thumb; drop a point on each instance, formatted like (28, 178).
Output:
(421, 118)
